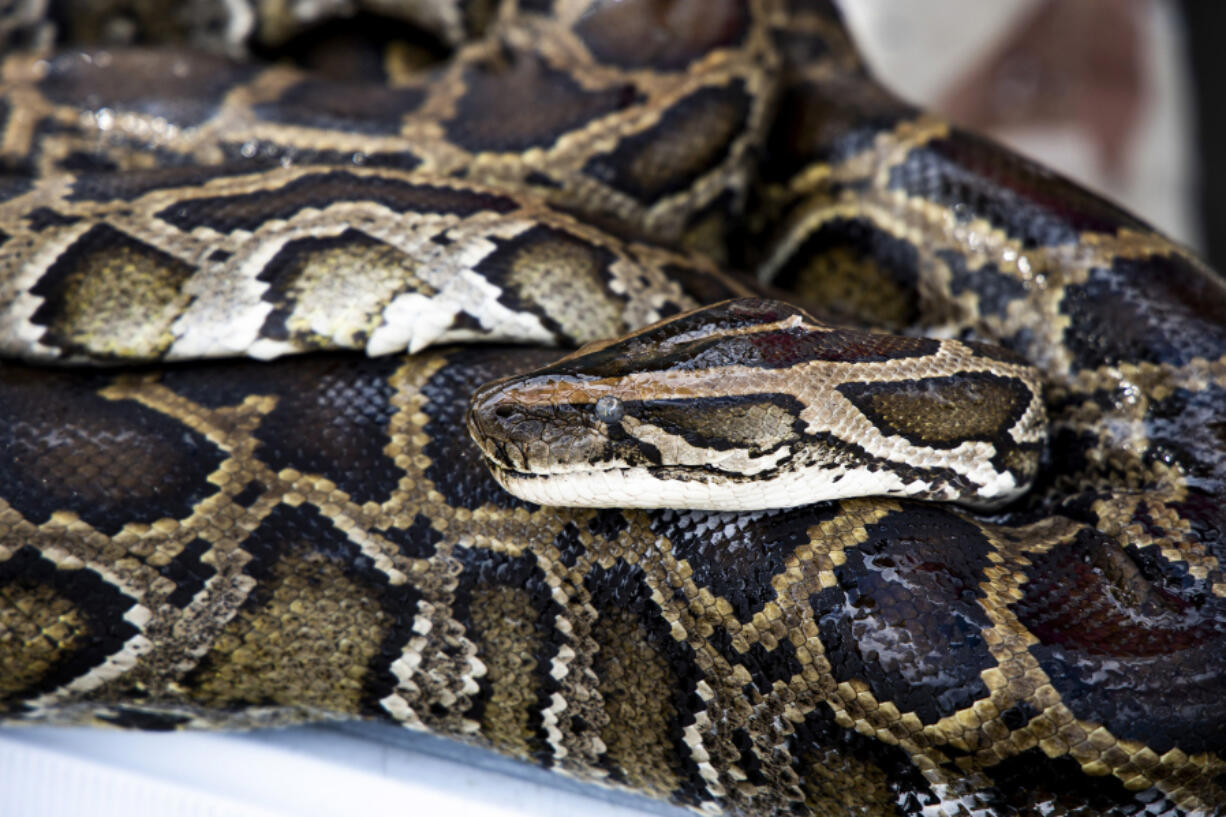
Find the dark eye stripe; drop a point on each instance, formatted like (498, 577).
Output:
(757, 423)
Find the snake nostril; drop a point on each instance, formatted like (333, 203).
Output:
(503, 412)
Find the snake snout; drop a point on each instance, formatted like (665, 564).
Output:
(494, 420)
(528, 435)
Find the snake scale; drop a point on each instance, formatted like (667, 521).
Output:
(241, 543)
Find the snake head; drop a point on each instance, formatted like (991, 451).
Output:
(752, 404)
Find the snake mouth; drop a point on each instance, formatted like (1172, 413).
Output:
(523, 463)
(592, 488)
(603, 486)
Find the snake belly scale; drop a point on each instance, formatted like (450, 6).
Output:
(181, 536)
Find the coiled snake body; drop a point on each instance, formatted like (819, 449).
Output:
(240, 543)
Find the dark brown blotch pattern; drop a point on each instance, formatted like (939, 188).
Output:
(646, 683)
(758, 423)
(517, 101)
(56, 624)
(1162, 309)
(111, 296)
(662, 34)
(580, 306)
(341, 106)
(692, 138)
(1104, 626)
(906, 619)
(942, 412)
(856, 273)
(186, 92)
(65, 448)
(335, 425)
(248, 211)
(509, 612)
(320, 630)
(309, 277)
(841, 771)
(101, 185)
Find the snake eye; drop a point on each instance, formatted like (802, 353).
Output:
(609, 409)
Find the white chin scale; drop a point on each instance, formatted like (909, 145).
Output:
(638, 488)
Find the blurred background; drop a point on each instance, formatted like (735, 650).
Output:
(1120, 95)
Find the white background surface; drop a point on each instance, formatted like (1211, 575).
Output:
(363, 769)
(920, 48)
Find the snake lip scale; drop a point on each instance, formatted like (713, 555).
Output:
(250, 312)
